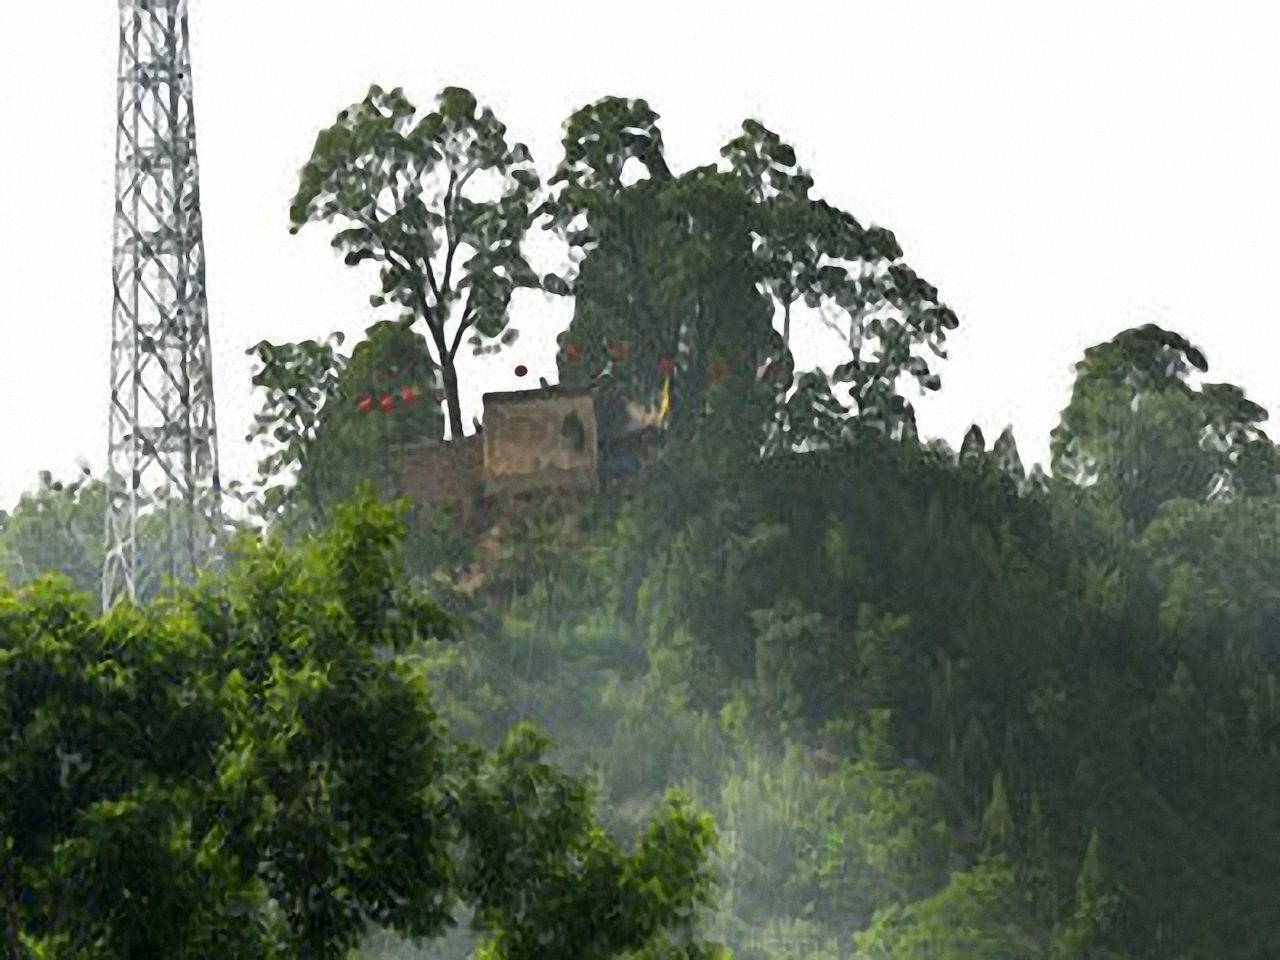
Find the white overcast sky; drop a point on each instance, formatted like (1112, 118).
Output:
(1059, 171)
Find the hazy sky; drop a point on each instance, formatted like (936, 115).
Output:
(1059, 176)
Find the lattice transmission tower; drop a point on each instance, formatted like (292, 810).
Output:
(164, 495)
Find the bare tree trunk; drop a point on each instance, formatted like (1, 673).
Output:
(450, 373)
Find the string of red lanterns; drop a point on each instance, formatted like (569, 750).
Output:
(386, 402)
(573, 354)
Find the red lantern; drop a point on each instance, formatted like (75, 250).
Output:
(521, 370)
(409, 393)
(388, 402)
(366, 404)
(573, 352)
(617, 352)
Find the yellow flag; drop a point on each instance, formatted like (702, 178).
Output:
(666, 401)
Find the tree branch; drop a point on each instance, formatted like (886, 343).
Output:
(465, 321)
(452, 195)
(467, 176)
(391, 255)
(434, 323)
(451, 242)
(431, 280)
(426, 262)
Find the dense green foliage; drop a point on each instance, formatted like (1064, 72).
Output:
(320, 445)
(58, 527)
(688, 272)
(932, 716)
(1138, 427)
(254, 767)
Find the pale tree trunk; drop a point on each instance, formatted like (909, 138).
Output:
(450, 374)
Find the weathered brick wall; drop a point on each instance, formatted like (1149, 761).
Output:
(435, 472)
(524, 450)
(527, 447)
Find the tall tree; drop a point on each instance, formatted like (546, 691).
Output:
(664, 292)
(1138, 428)
(809, 251)
(297, 381)
(681, 276)
(411, 196)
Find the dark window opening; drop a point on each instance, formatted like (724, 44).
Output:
(574, 433)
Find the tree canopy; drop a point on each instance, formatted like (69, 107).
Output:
(448, 257)
(254, 768)
(1138, 427)
(682, 276)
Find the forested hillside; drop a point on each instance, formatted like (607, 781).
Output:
(922, 707)
(935, 706)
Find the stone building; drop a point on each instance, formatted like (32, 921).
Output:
(540, 439)
(531, 441)
(434, 472)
